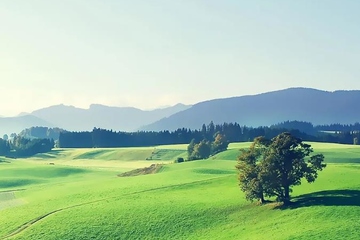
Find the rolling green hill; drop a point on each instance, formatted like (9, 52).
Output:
(76, 194)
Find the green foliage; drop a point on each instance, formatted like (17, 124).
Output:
(220, 144)
(273, 167)
(206, 148)
(251, 182)
(24, 147)
(201, 150)
(190, 149)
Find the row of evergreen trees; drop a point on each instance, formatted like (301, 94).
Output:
(108, 138)
(309, 128)
(337, 133)
(233, 132)
(21, 145)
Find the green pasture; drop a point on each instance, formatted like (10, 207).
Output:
(338, 153)
(76, 194)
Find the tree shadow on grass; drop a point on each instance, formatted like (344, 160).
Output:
(343, 197)
(48, 155)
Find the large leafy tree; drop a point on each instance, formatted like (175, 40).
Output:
(273, 167)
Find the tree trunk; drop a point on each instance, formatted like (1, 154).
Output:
(286, 199)
(262, 200)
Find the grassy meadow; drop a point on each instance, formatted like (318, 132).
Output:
(77, 194)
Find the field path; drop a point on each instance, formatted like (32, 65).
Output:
(35, 220)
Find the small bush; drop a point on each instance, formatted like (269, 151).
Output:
(179, 160)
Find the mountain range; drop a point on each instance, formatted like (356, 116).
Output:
(302, 104)
(10, 125)
(78, 119)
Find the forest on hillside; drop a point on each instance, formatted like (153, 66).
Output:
(42, 139)
(234, 132)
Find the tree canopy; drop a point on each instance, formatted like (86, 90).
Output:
(204, 148)
(272, 167)
(23, 147)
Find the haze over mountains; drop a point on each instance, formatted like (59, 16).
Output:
(77, 119)
(10, 125)
(302, 104)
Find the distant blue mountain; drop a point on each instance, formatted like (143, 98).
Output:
(100, 116)
(302, 104)
(77, 119)
(10, 125)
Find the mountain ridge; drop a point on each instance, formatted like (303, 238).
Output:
(73, 118)
(10, 125)
(263, 109)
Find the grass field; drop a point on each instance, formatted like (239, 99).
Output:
(80, 196)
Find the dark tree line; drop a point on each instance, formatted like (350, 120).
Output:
(309, 128)
(339, 127)
(23, 147)
(108, 138)
(302, 126)
(234, 132)
(335, 133)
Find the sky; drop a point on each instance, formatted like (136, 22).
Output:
(148, 54)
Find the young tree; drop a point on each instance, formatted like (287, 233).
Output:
(190, 149)
(205, 148)
(281, 165)
(220, 143)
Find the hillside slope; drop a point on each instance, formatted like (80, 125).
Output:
(83, 198)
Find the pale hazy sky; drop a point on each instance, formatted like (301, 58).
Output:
(152, 53)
